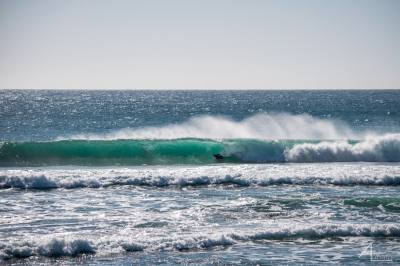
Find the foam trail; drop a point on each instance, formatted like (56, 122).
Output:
(260, 126)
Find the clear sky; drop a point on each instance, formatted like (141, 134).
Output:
(202, 44)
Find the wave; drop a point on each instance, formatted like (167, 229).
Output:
(384, 148)
(236, 175)
(69, 246)
(261, 126)
(124, 152)
(378, 149)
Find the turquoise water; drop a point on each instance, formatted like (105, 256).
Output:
(130, 177)
(197, 151)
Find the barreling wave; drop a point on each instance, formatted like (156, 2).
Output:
(124, 152)
(384, 148)
(74, 246)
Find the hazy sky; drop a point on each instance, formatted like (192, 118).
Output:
(246, 44)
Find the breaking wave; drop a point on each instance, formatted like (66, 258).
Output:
(262, 138)
(69, 246)
(384, 148)
(378, 149)
(237, 175)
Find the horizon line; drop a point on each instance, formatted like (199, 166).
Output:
(201, 89)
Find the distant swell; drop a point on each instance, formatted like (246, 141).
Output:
(70, 246)
(385, 148)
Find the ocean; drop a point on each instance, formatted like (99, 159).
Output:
(200, 177)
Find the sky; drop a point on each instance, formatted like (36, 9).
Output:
(203, 44)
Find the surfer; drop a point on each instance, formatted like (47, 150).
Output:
(218, 156)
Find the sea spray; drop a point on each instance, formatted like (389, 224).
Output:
(262, 126)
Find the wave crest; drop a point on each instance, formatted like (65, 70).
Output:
(70, 246)
(237, 175)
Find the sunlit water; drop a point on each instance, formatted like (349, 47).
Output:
(340, 206)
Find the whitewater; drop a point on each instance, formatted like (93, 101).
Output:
(130, 177)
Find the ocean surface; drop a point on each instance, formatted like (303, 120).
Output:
(200, 177)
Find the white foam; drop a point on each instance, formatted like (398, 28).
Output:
(61, 247)
(324, 231)
(196, 242)
(374, 149)
(53, 247)
(260, 126)
(341, 174)
(28, 182)
(115, 243)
